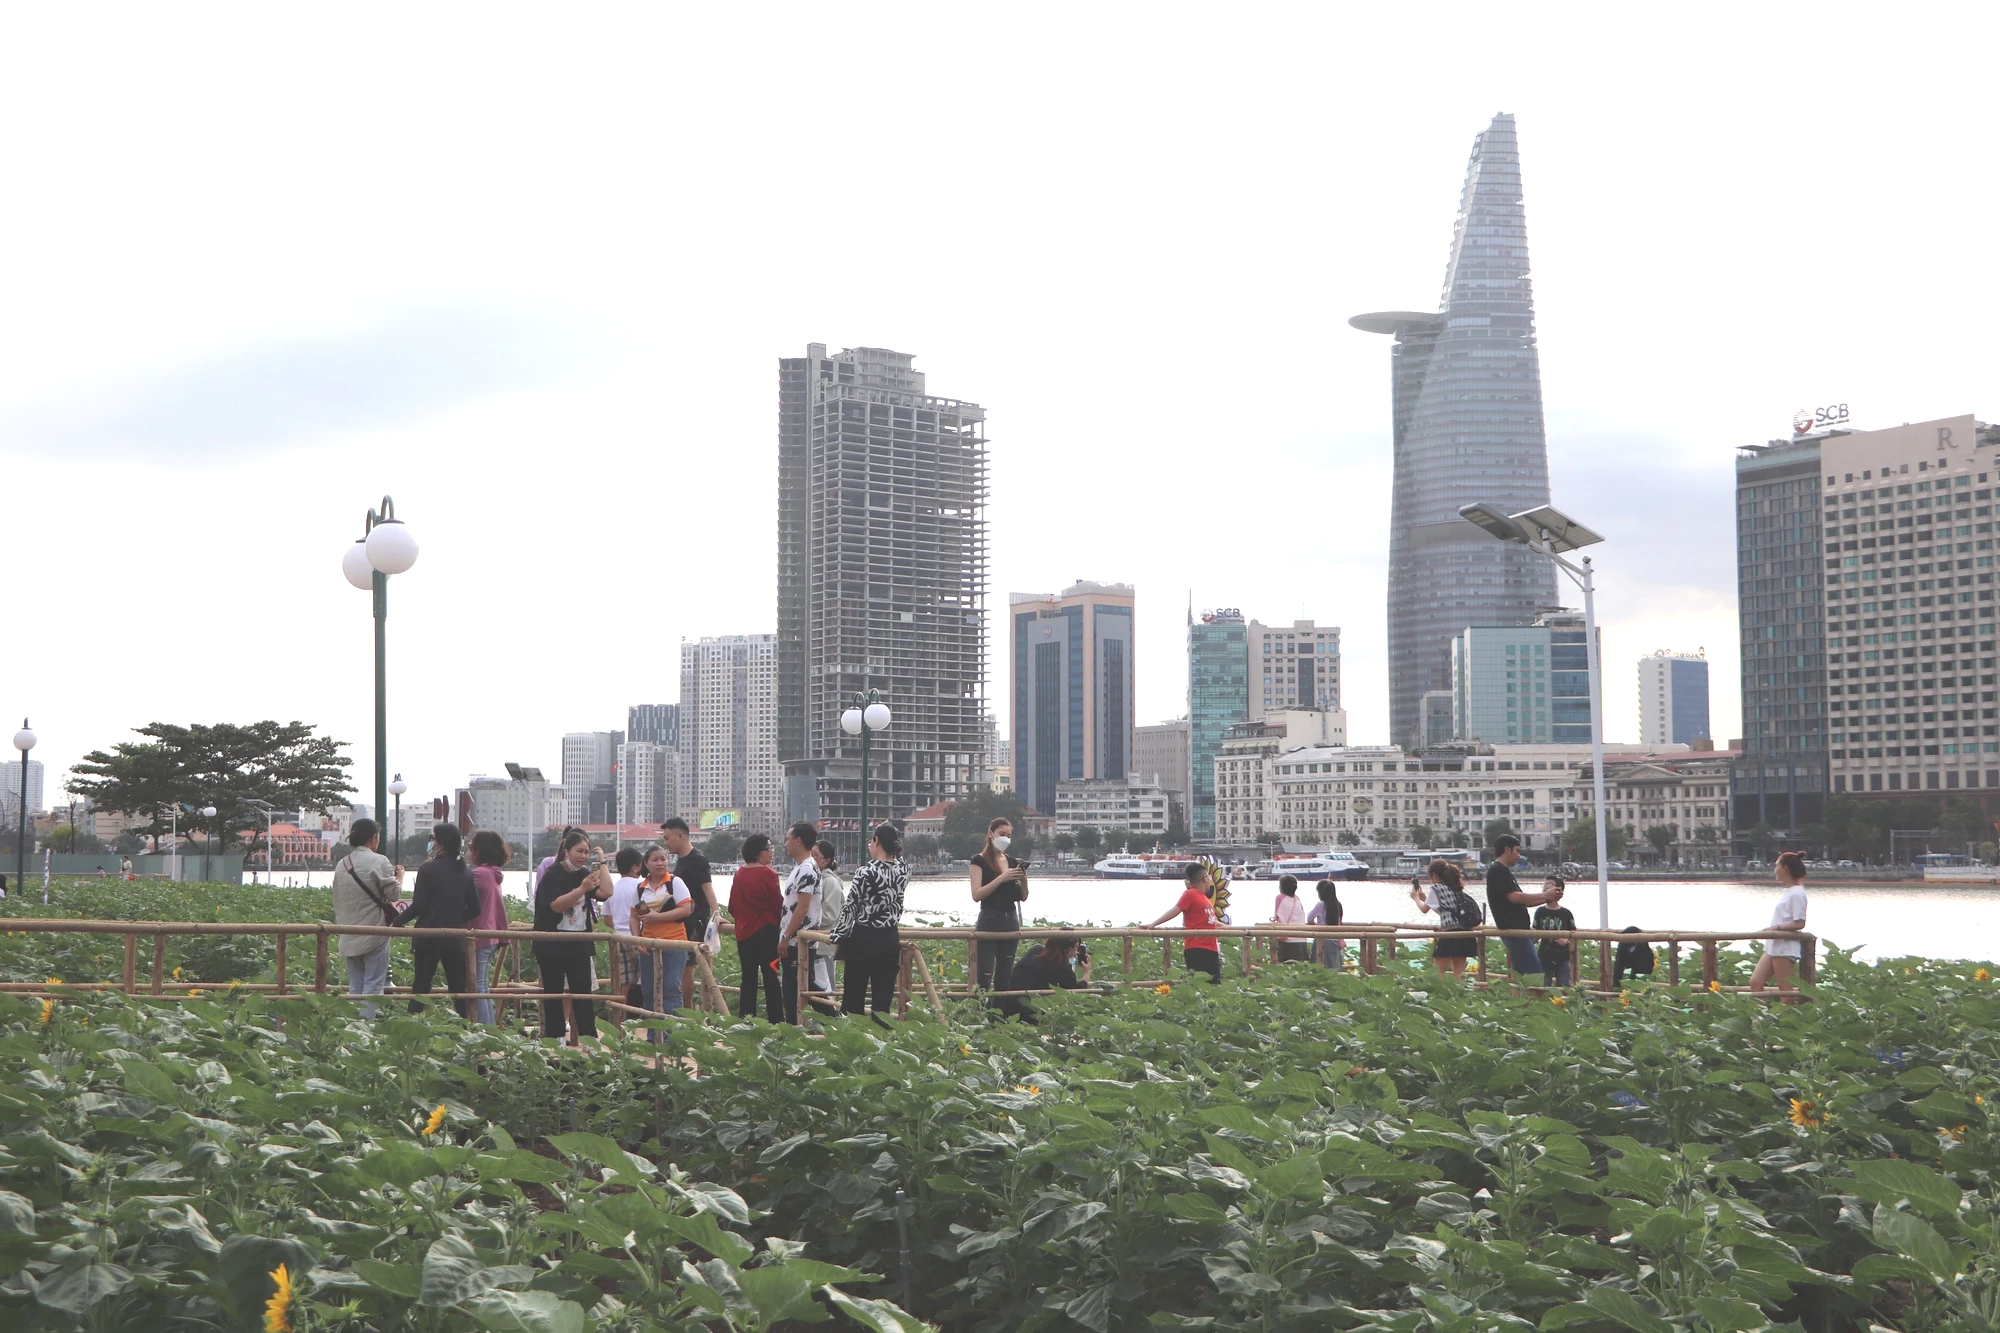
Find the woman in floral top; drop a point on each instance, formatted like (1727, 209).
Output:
(867, 937)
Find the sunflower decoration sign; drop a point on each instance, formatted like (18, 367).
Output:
(1218, 885)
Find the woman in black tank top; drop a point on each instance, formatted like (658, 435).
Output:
(999, 883)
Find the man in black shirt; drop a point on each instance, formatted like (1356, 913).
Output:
(691, 869)
(1050, 965)
(1510, 904)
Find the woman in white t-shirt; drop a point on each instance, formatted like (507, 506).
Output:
(1780, 962)
(624, 893)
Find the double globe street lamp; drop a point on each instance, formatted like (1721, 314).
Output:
(385, 547)
(1550, 532)
(868, 716)
(396, 789)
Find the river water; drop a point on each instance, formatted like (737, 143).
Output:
(1876, 920)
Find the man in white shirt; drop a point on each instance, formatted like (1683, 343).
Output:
(801, 909)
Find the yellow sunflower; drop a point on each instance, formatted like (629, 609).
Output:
(437, 1119)
(1164, 988)
(1558, 1001)
(278, 1310)
(1806, 1114)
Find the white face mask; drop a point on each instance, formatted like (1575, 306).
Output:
(1002, 843)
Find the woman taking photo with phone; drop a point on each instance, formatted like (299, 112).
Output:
(999, 884)
(1455, 910)
(565, 900)
(867, 937)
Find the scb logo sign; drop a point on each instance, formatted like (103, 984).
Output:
(1819, 418)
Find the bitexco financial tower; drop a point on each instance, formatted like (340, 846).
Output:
(1466, 387)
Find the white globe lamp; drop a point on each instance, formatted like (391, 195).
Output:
(850, 722)
(24, 740)
(355, 567)
(390, 547)
(876, 716)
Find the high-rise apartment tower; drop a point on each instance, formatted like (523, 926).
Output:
(1673, 698)
(881, 584)
(654, 724)
(1299, 667)
(589, 768)
(729, 729)
(1073, 687)
(1466, 395)
(1218, 699)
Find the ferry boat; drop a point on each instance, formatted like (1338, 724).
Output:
(1122, 865)
(1313, 866)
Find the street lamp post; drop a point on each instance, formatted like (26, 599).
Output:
(265, 809)
(24, 741)
(868, 716)
(527, 776)
(1550, 532)
(208, 860)
(396, 789)
(385, 547)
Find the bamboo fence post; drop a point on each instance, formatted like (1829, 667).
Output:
(972, 961)
(1166, 956)
(1368, 955)
(930, 985)
(159, 963)
(283, 936)
(1809, 960)
(1673, 962)
(1607, 954)
(319, 964)
(802, 972)
(1710, 970)
(1128, 958)
(710, 989)
(903, 981)
(131, 962)
(1390, 945)
(473, 981)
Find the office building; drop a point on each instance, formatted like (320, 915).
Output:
(1907, 685)
(1292, 666)
(1243, 810)
(1686, 794)
(654, 724)
(1160, 756)
(881, 584)
(1522, 685)
(1435, 709)
(10, 791)
(649, 783)
(1130, 803)
(1073, 681)
(589, 762)
(1466, 408)
(1218, 699)
(1673, 698)
(729, 730)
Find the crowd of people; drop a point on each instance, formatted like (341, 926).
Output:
(667, 892)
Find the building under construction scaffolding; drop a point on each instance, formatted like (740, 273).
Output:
(881, 584)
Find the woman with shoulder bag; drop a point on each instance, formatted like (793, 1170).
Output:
(1455, 910)
(445, 899)
(868, 938)
(566, 900)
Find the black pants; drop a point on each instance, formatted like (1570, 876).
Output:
(429, 951)
(996, 970)
(566, 971)
(755, 955)
(874, 954)
(1203, 960)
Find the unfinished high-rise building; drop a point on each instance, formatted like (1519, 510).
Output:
(881, 585)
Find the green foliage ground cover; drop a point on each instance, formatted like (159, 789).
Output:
(1303, 1150)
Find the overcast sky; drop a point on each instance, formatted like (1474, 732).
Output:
(530, 270)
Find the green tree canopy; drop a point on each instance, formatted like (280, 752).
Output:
(1088, 839)
(224, 764)
(1423, 836)
(1494, 829)
(1662, 837)
(965, 822)
(1964, 822)
(1579, 840)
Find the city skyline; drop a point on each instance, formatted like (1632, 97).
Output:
(184, 394)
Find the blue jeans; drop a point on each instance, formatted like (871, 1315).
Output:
(481, 965)
(1521, 956)
(676, 963)
(1333, 954)
(367, 974)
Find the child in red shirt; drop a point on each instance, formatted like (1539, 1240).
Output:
(1199, 953)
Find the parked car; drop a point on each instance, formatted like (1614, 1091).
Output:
(1845, 865)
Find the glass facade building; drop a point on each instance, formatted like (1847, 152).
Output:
(1673, 699)
(1073, 688)
(1466, 397)
(1780, 779)
(1218, 699)
(1522, 684)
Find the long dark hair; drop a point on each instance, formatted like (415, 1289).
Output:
(890, 837)
(447, 838)
(986, 852)
(1330, 895)
(1447, 874)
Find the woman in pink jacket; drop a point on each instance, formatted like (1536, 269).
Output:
(489, 855)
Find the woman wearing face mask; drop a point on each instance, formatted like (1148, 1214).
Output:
(999, 883)
(565, 900)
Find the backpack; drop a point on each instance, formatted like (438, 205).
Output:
(1461, 911)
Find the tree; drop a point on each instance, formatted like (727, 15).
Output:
(1348, 838)
(130, 843)
(1761, 839)
(1177, 831)
(1120, 840)
(1579, 840)
(1270, 838)
(1423, 836)
(1065, 843)
(965, 822)
(1088, 838)
(224, 764)
(921, 847)
(723, 845)
(1706, 835)
(1964, 823)
(1495, 828)
(1663, 837)
(64, 838)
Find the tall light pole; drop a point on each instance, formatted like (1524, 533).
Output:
(385, 547)
(868, 716)
(1550, 532)
(208, 860)
(24, 741)
(527, 776)
(265, 809)
(396, 789)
